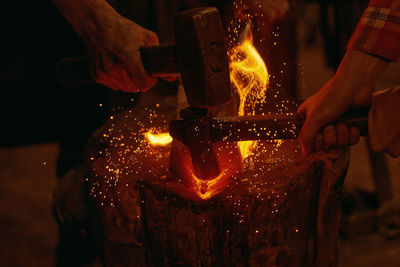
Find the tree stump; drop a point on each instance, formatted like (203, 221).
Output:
(277, 209)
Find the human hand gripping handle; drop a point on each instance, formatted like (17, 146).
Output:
(113, 47)
(350, 88)
(156, 61)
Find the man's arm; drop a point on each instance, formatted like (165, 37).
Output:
(112, 43)
(373, 44)
(351, 87)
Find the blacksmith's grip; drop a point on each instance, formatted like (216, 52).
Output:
(158, 61)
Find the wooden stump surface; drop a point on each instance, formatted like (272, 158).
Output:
(280, 209)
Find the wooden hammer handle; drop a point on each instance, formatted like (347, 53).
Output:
(277, 126)
(159, 61)
(264, 127)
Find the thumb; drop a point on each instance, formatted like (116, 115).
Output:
(312, 126)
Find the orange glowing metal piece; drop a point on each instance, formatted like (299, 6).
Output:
(161, 139)
(207, 189)
(250, 77)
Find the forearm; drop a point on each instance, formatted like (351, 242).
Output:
(351, 87)
(87, 16)
(359, 70)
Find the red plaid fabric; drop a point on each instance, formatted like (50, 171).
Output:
(378, 31)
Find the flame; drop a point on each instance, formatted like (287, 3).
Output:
(249, 75)
(246, 148)
(158, 139)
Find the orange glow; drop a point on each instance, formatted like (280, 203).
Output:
(207, 189)
(250, 77)
(158, 139)
(229, 160)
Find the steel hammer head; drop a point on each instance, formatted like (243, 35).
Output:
(202, 57)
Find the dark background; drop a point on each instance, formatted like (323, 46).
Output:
(34, 107)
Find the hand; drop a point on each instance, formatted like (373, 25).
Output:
(114, 54)
(351, 87)
(337, 136)
(112, 42)
(384, 121)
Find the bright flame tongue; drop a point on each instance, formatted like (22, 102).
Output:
(250, 77)
(158, 139)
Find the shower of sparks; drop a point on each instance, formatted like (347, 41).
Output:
(140, 147)
(125, 150)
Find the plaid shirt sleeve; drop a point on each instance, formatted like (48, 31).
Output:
(378, 32)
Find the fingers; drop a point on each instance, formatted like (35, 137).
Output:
(342, 135)
(318, 144)
(126, 77)
(337, 136)
(139, 77)
(310, 129)
(319, 112)
(329, 137)
(307, 136)
(108, 71)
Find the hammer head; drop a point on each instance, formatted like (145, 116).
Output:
(202, 57)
